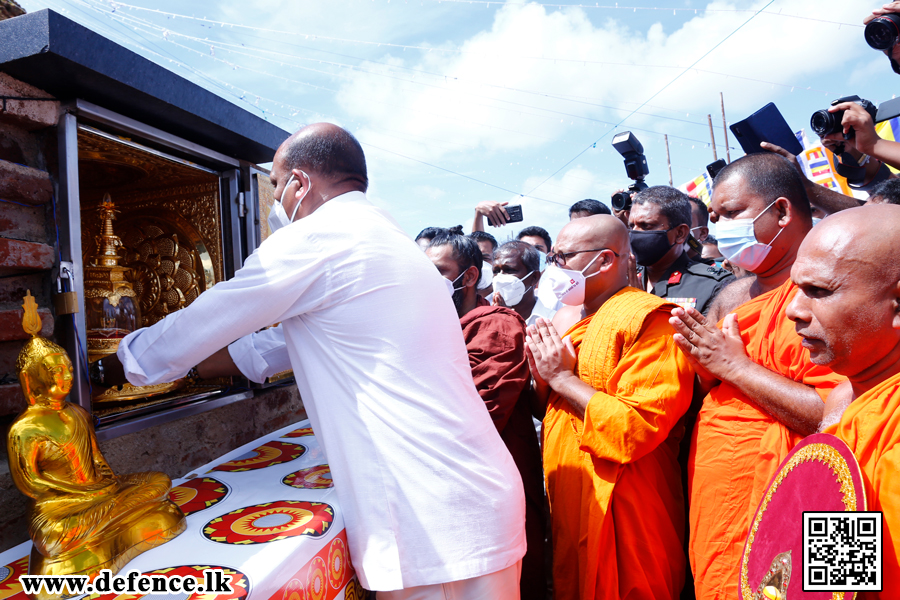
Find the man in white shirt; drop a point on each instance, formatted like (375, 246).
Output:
(432, 500)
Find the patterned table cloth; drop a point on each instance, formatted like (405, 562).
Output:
(266, 513)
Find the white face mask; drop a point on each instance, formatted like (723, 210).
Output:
(487, 275)
(564, 285)
(510, 288)
(449, 283)
(738, 243)
(278, 218)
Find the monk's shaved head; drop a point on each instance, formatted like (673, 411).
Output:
(596, 231)
(848, 307)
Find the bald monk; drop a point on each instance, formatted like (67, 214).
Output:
(847, 314)
(761, 398)
(615, 391)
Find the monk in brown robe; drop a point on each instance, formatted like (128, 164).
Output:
(847, 314)
(616, 389)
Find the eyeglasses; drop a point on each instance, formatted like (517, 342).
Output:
(560, 258)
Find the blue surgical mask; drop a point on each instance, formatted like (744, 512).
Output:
(816, 220)
(738, 243)
(542, 261)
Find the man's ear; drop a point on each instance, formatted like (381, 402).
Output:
(681, 233)
(470, 279)
(786, 211)
(895, 305)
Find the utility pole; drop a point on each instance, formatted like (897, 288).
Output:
(713, 138)
(725, 128)
(668, 159)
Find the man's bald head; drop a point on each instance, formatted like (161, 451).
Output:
(847, 308)
(596, 231)
(328, 151)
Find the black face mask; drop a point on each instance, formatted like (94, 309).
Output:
(848, 168)
(649, 246)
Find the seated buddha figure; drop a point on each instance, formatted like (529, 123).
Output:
(84, 517)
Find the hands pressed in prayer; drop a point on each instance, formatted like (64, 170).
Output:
(549, 357)
(714, 353)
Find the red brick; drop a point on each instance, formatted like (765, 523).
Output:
(28, 115)
(17, 256)
(24, 184)
(13, 289)
(12, 400)
(11, 324)
(23, 222)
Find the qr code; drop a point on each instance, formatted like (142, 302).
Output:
(842, 551)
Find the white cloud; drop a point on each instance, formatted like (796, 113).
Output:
(469, 110)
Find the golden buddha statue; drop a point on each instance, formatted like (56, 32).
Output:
(84, 518)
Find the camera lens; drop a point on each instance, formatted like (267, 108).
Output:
(883, 32)
(621, 201)
(824, 122)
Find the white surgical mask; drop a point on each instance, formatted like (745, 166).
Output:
(816, 220)
(278, 218)
(510, 288)
(565, 285)
(450, 284)
(487, 275)
(738, 243)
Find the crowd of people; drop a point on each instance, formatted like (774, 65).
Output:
(669, 372)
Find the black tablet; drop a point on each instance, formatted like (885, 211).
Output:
(766, 125)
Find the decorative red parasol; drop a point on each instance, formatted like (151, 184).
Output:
(820, 474)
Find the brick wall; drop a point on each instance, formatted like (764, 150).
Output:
(28, 255)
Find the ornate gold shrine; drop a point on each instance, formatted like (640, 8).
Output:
(169, 239)
(83, 517)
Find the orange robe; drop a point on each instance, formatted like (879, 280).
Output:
(736, 447)
(613, 479)
(871, 427)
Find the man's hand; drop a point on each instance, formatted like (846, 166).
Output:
(890, 7)
(494, 211)
(857, 118)
(552, 360)
(715, 354)
(634, 280)
(498, 300)
(769, 147)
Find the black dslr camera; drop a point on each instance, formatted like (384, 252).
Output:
(825, 123)
(882, 33)
(635, 167)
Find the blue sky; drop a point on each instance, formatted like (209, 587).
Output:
(460, 101)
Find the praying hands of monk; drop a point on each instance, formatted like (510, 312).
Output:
(719, 354)
(552, 360)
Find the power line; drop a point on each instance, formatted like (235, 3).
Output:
(661, 90)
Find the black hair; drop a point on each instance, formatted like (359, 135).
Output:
(592, 207)
(429, 233)
(710, 241)
(334, 153)
(704, 213)
(888, 191)
(531, 256)
(674, 204)
(536, 232)
(484, 236)
(465, 250)
(769, 176)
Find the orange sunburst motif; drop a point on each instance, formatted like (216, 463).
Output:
(317, 580)
(302, 432)
(313, 478)
(9, 578)
(271, 521)
(294, 591)
(198, 494)
(270, 453)
(337, 563)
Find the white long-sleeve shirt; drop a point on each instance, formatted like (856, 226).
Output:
(428, 490)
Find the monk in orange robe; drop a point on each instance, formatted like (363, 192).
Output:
(616, 391)
(762, 398)
(847, 315)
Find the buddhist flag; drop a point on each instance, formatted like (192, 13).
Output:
(818, 164)
(700, 187)
(889, 130)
